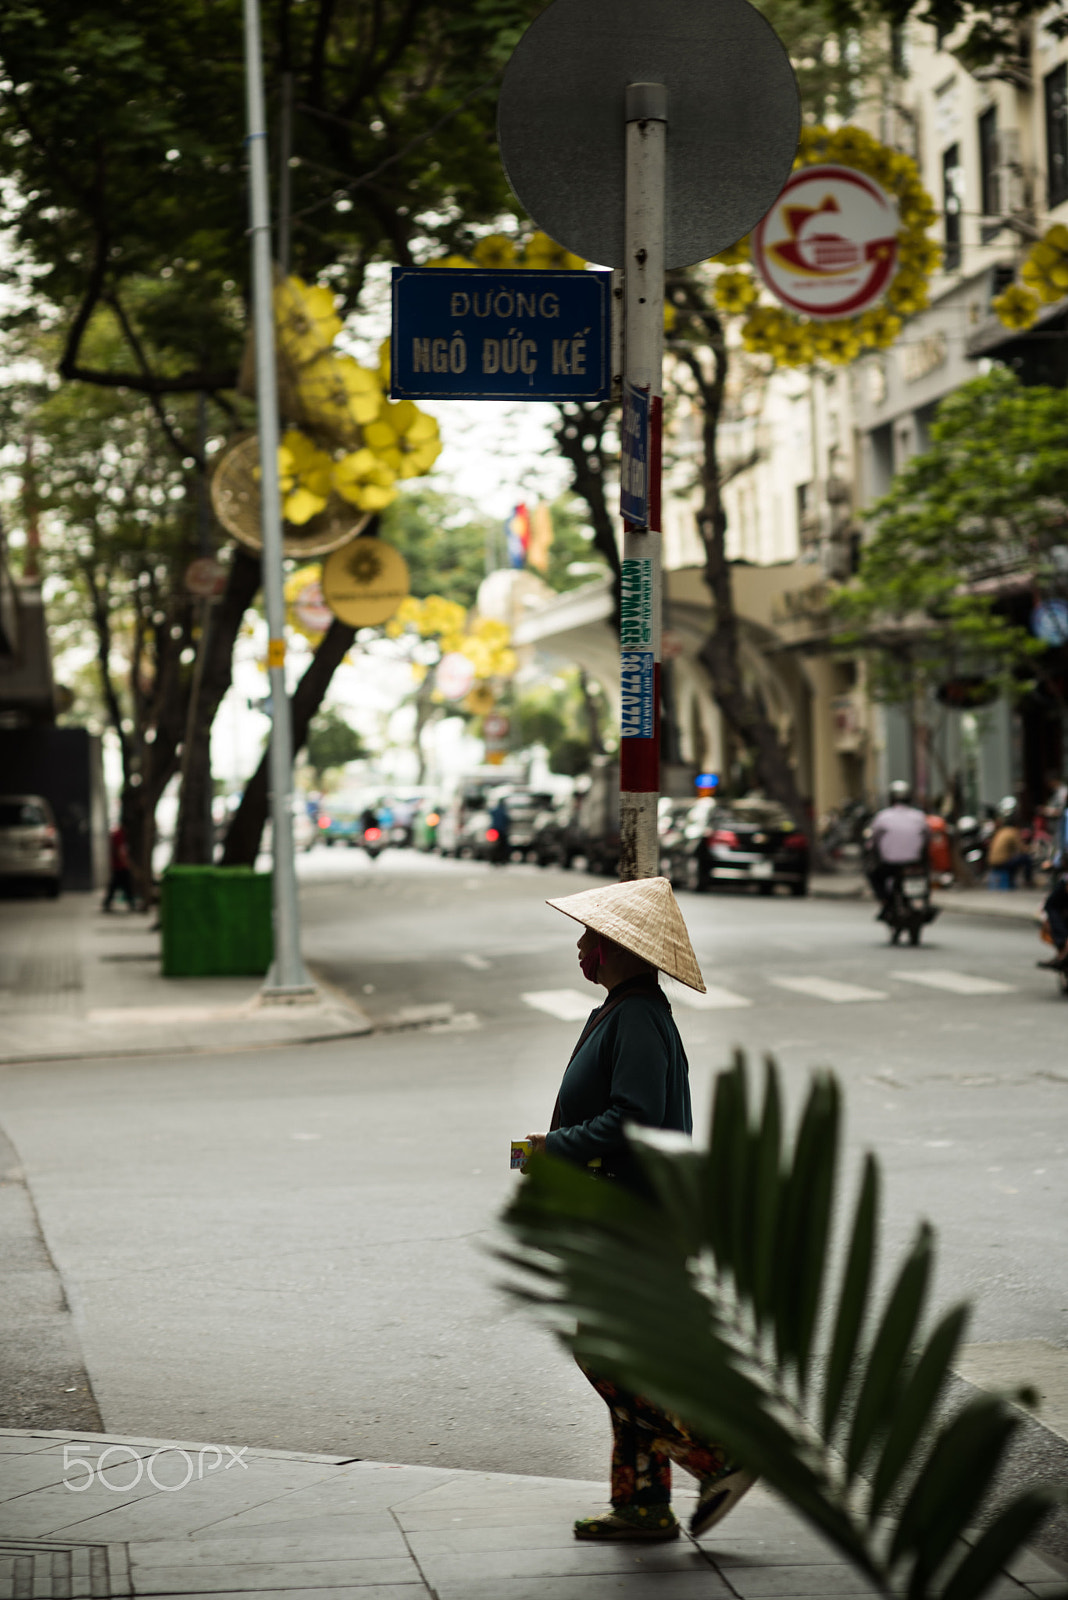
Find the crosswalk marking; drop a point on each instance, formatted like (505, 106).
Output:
(829, 989)
(713, 999)
(569, 1005)
(955, 982)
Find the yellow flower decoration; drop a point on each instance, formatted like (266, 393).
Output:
(451, 261)
(735, 255)
(878, 328)
(796, 341)
(406, 438)
(733, 291)
(364, 480)
(306, 321)
(496, 251)
(1016, 307)
(671, 316)
(304, 477)
(545, 255)
(339, 394)
(1045, 270)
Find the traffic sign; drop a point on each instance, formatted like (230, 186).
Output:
(732, 116)
(476, 335)
(634, 457)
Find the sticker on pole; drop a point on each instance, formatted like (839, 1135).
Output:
(634, 461)
(636, 681)
(828, 246)
(476, 335)
(636, 603)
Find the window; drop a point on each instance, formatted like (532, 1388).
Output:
(990, 189)
(1056, 87)
(952, 187)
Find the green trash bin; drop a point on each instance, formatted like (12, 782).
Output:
(216, 922)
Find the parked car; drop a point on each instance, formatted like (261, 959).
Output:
(30, 849)
(478, 837)
(747, 842)
(550, 834)
(341, 823)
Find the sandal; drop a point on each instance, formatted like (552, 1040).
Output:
(651, 1524)
(720, 1494)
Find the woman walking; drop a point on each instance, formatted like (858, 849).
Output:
(630, 1066)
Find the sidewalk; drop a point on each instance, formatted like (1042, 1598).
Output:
(75, 982)
(1014, 905)
(267, 1522)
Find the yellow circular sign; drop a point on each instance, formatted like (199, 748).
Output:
(364, 582)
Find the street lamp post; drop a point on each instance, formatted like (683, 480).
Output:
(287, 977)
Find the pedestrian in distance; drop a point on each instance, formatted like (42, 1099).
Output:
(1008, 854)
(630, 1066)
(120, 878)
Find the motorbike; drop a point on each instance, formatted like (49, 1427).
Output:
(908, 908)
(374, 842)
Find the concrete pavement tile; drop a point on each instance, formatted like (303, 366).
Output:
(357, 1524)
(703, 1585)
(374, 1591)
(789, 1583)
(1029, 1566)
(345, 1493)
(284, 1576)
(571, 1561)
(462, 1538)
(48, 1512)
(340, 1544)
(1043, 1586)
(163, 1515)
(14, 1442)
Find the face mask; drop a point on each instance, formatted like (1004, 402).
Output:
(590, 962)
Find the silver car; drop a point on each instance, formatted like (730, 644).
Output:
(30, 848)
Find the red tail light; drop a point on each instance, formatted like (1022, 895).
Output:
(432, 819)
(796, 841)
(372, 833)
(725, 836)
(492, 835)
(324, 822)
(49, 833)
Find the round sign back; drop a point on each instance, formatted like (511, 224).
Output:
(732, 120)
(364, 582)
(828, 246)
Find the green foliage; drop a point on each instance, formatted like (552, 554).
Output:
(711, 1299)
(331, 742)
(122, 130)
(573, 557)
(443, 539)
(557, 715)
(986, 504)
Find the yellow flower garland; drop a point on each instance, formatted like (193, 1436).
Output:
(1045, 280)
(794, 341)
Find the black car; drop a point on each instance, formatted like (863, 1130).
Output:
(745, 842)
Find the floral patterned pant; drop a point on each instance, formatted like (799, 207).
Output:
(645, 1441)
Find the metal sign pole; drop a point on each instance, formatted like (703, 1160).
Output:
(287, 976)
(639, 778)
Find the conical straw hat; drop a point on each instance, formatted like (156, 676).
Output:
(644, 918)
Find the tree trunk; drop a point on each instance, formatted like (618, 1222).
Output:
(580, 437)
(194, 841)
(721, 655)
(246, 828)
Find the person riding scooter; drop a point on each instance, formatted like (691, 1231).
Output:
(898, 839)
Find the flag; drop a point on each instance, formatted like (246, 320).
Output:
(541, 537)
(517, 532)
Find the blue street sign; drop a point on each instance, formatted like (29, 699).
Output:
(1049, 622)
(634, 461)
(475, 335)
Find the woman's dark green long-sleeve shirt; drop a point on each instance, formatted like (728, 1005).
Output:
(632, 1068)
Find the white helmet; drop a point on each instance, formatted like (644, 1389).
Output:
(1007, 807)
(900, 792)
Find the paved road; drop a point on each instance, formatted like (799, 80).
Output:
(285, 1248)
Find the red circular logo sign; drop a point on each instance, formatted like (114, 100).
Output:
(828, 246)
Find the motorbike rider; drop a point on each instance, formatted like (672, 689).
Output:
(898, 838)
